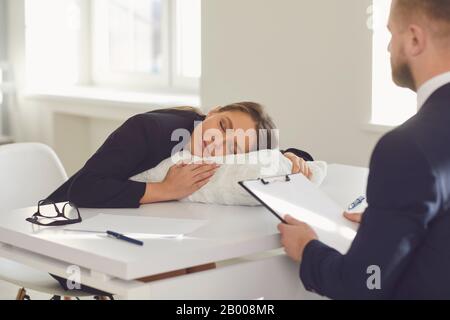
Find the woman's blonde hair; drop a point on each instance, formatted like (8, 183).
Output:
(264, 123)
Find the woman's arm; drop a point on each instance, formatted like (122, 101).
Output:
(103, 181)
(299, 165)
(299, 153)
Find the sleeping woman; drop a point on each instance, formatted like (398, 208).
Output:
(132, 167)
(144, 161)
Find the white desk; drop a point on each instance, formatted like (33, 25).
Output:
(241, 239)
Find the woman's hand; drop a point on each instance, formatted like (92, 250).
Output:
(181, 181)
(299, 165)
(353, 217)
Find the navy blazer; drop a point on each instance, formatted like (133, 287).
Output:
(406, 229)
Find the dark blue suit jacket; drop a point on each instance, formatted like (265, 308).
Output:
(406, 229)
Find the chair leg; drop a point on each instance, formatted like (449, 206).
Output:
(21, 294)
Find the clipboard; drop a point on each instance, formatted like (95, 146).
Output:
(295, 195)
(265, 182)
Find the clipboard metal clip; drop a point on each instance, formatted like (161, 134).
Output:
(282, 179)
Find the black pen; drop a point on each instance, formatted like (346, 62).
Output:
(124, 238)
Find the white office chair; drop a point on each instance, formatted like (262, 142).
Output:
(29, 172)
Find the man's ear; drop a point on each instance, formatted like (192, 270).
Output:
(418, 40)
(213, 111)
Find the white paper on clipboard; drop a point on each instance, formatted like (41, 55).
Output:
(297, 196)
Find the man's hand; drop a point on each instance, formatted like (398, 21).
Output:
(295, 235)
(299, 165)
(353, 217)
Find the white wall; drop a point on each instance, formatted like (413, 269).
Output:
(309, 61)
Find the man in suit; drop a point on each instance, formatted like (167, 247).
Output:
(402, 248)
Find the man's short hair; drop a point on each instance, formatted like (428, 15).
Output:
(437, 11)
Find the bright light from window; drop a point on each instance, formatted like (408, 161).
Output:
(134, 34)
(391, 105)
(188, 38)
(134, 44)
(52, 42)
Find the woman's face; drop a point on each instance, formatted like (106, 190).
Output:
(223, 133)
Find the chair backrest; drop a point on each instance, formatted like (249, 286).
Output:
(29, 172)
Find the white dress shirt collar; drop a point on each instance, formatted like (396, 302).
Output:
(430, 87)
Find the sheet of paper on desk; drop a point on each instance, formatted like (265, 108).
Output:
(138, 225)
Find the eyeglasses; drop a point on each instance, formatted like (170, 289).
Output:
(49, 215)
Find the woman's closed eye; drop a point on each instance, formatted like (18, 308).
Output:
(226, 124)
(223, 125)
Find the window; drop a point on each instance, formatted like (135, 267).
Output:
(131, 44)
(391, 105)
